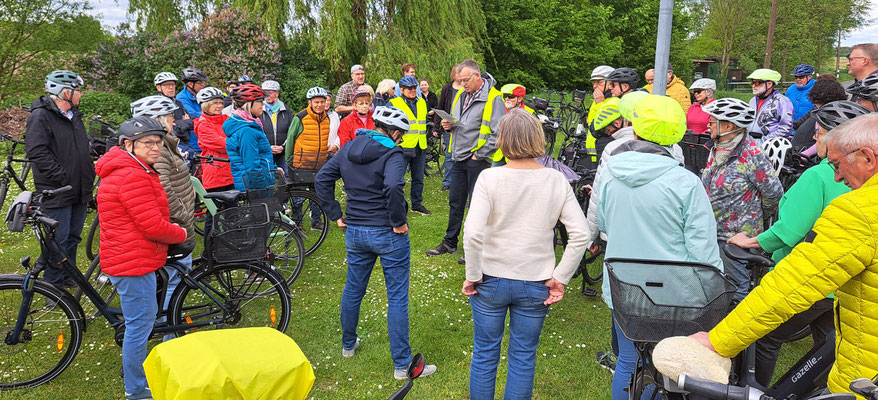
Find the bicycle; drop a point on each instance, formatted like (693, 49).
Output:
(592, 273)
(43, 324)
(8, 174)
(300, 192)
(551, 125)
(434, 161)
(718, 391)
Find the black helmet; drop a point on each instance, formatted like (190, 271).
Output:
(194, 75)
(138, 127)
(835, 113)
(867, 89)
(624, 75)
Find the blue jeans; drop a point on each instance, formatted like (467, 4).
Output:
(738, 272)
(174, 281)
(364, 244)
(281, 162)
(524, 302)
(72, 218)
(416, 160)
(139, 307)
(446, 140)
(463, 180)
(625, 366)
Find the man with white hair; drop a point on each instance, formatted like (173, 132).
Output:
(838, 256)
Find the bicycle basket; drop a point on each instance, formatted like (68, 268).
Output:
(653, 299)
(696, 151)
(304, 165)
(266, 187)
(240, 234)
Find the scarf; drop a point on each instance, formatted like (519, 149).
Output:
(245, 115)
(722, 150)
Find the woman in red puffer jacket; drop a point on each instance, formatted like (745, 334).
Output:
(212, 140)
(361, 118)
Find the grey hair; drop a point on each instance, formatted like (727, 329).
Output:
(385, 86)
(855, 133)
(870, 50)
(471, 64)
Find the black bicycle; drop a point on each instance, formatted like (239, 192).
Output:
(42, 325)
(8, 174)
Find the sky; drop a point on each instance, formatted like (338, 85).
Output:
(114, 12)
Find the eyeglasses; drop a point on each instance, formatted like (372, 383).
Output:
(150, 143)
(697, 91)
(464, 81)
(801, 77)
(408, 87)
(169, 84)
(854, 58)
(834, 163)
(756, 83)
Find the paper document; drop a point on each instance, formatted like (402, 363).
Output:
(445, 116)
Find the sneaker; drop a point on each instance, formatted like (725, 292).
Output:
(144, 395)
(317, 227)
(442, 248)
(445, 188)
(402, 374)
(607, 360)
(421, 210)
(461, 261)
(350, 353)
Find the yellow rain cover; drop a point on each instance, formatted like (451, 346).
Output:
(246, 363)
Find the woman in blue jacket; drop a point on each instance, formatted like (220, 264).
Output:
(249, 151)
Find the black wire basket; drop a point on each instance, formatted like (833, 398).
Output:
(653, 300)
(304, 165)
(240, 234)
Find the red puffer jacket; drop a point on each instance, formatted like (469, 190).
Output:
(135, 222)
(350, 124)
(212, 140)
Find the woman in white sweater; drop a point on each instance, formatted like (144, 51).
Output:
(510, 255)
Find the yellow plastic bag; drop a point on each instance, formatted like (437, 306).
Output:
(247, 363)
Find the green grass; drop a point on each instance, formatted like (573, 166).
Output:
(440, 328)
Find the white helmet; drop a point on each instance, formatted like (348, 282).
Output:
(704, 83)
(392, 117)
(163, 77)
(207, 94)
(601, 72)
(731, 109)
(153, 106)
(317, 91)
(271, 85)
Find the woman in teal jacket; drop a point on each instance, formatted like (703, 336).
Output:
(798, 211)
(249, 151)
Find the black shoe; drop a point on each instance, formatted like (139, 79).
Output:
(607, 360)
(445, 188)
(421, 210)
(442, 248)
(461, 261)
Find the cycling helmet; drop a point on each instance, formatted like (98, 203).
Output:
(318, 91)
(138, 127)
(391, 117)
(659, 119)
(207, 94)
(271, 85)
(765, 74)
(153, 106)
(704, 83)
(866, 89)
(731, 109)
(59, 80)
(193, 75)
(601, 72)
(775, 150)
(408, 81)
(624, 75)
(803, 70)
(834, 113)
(246, 93)
(514, 89)
(244, 79)
(361, 93)
(163, 77)
(626, 105)
(606, 114)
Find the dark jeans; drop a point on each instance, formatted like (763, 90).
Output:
(67, 235)
(819, 317)
(463, 179)
(448, 163)
(415, 160)
(281, 162)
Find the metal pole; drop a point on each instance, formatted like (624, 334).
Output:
(663, 46)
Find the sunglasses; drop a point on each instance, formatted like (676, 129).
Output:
(801, 76)
(509, 96)
(756, 83)
(408, 87)
(697, 91)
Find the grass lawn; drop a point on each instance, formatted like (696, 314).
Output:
(440, 323)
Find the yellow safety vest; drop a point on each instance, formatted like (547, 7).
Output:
(528, 109)
(485, 129)
(417, 133)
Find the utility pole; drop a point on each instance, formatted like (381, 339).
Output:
(838, 55)
(663, 47)
(770, 40)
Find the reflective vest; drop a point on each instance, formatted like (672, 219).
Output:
(499, 154)
(485, 129)
(417, 133)
(591, 148)
(526, 108)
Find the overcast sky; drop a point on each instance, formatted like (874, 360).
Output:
(114, 12)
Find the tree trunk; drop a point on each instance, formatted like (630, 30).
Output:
(838, 55)
(769, 43)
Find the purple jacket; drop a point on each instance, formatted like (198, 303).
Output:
(774, 118)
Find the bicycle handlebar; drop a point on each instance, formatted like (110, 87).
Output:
(8, 138)
(210, 159)
(719, 391)
(865, 387)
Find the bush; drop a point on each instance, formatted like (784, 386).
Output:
(112, 107)
(301, 71)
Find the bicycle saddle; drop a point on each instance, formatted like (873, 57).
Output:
(750, 256)
(179, 251)
(226, 196)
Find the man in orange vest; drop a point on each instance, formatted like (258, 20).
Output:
(307, 147)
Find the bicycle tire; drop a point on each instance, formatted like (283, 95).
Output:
(53, 342)
(592, 269)
(101, 283)
(4, 188)
(301, 215)
(258, 288)
(200, 217)
(92, 246)
(286, 250)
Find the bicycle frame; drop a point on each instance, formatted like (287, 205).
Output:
(10, 158)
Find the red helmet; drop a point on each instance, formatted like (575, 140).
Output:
(247, 92)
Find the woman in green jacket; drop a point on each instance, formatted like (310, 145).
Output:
(798, 211)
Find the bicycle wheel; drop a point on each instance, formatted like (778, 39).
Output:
(592, 268)
(93, 240)
(234, 296)
(307, 214)
(101, 283)
(49, 342)
(551, 134)
(286, 250)
(4, 188)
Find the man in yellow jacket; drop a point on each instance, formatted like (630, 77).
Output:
(676, 88)
(841, 257)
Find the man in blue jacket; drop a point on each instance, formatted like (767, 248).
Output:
(194, 80)
(372, 167)
(798, 94)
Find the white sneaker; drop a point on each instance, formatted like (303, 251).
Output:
(350, 353)
(401, 374)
